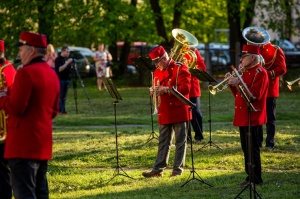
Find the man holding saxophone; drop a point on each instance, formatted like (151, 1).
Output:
(172, 113)
(7, 75)
(254, 82)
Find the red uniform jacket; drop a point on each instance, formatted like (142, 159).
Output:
(195, 84)
(31, 105)
(9, 74)
(171, 109)
(256, 79)
(275, 66)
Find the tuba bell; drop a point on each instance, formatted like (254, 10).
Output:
(183, 41)
(256, 36)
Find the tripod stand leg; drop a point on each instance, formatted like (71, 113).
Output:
(194, 178)
(153, 134)
(117, 172)
(252, 191)
(151, 137)
(86, 94)
(193, 172)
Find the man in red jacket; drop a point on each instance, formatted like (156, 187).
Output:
(256, 80)
(31, 105)
(172, 113)
(274, 63)
(7, 72)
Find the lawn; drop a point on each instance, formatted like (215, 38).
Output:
(84, 164)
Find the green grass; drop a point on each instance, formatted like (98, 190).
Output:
(84, 151)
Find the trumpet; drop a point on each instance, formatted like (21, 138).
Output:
(155, 98)
(223, 84)
(220, 86)
(289, 84)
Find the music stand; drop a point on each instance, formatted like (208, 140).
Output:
(251, 183)
(205, 77)
(115, 94)
(191, 105)
(144, 64)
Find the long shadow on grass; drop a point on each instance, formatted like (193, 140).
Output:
(276, 186)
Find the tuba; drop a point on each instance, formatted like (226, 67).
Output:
(256, 36)
(290, 84)
(3, 115)
(183, 41)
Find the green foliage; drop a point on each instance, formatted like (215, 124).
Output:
(84, 150)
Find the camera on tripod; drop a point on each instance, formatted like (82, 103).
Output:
(73, 63)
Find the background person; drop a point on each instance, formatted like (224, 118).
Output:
(172, 113)
(195, 93)
(102, 57)
(31, 104)
(275, 65)
(8, 73)
(51, 56)
(63, 70)
(256, 79)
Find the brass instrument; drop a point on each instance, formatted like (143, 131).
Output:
(256, 36)
(155, 98)
(290, 84)
(183, 41)
(3, 115)
(243, 87)
(222, 85)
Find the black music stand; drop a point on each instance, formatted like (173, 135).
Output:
(115, 94)
(144, 64)
(191, 105)
(251, 183)
(205, 77)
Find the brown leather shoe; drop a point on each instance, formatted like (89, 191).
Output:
(152, 174)
(175, 175)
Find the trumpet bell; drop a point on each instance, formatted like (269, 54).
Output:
(212, 89)
(256, 35)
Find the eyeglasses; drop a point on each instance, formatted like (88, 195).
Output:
(159, 60)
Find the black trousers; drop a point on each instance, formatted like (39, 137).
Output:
(196, 120)
(5, 187)
(255, 134)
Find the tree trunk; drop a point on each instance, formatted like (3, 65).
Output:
(235, 36)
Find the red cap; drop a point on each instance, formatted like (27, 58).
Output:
(156, 53)
(252, 49)
(32, 39)
(1, 46)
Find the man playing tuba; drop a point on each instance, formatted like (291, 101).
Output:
(274, 63)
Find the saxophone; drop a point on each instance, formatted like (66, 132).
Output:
(3, 115)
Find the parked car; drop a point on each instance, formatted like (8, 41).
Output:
(219, 54)
(292, 54)
(83, 58)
